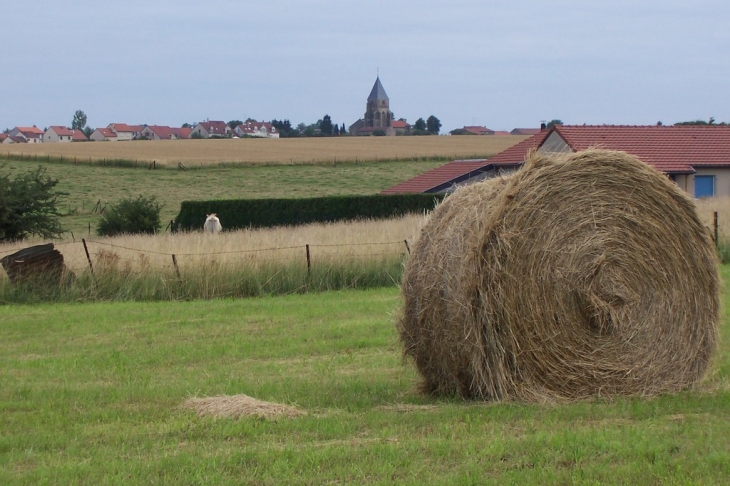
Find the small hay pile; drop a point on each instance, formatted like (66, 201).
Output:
(581, 275)
(237, 406)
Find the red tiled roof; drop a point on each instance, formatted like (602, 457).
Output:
(398, 124)
(501, 132)
(61, 131)
(215, 127)
(437, 176)
(516, 154)
(513, 156)
(78, 135)
(107, 132)
(27, 130)
(167, 133)
(670, 149)
(123, 127)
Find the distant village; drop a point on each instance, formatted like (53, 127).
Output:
(377, 121)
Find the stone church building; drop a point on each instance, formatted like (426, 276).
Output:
(378, 117)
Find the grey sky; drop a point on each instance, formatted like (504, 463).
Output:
(498, 64)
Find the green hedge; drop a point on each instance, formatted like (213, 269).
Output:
(261, 213)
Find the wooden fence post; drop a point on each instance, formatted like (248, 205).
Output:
(714, 224)
(88, 257)
(309, 261)
(174, 262)
(407, 247)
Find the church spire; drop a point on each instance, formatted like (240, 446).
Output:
(378, 92)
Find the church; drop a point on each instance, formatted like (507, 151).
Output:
(378, 118)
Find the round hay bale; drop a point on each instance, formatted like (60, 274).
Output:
(581, 275)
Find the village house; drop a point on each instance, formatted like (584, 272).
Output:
(57, 133)
(256, 129)
(124, 131)
(29, 134)
(103, 135)
(210, 129)
(695, 157)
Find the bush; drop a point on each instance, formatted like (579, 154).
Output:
(28, 206)
(131, 216)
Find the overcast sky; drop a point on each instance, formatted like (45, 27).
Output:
(498, 64)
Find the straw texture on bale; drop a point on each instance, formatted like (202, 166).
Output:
(580, 275)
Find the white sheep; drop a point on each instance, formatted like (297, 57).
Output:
(212, 224)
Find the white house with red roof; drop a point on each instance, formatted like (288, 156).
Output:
(57, 133)
(163, 132)
(256, 129)
(696, 157)
(29, 134)
(103, 135)
(124, 131)
(210, 129)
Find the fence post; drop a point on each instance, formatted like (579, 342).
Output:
(407, 247)
(88, 257)
(714, 224)
(309, 261)
(174, 262)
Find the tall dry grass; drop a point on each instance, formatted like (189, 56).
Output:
(358, 254)
(196, 153)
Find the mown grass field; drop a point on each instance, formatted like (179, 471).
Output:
(252, 151)
(92, 393)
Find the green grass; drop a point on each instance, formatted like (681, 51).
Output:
(88, 185)
(90, 393)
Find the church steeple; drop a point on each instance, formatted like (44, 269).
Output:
(377, 110)
(378, 92)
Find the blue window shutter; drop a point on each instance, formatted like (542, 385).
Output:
(704, 186)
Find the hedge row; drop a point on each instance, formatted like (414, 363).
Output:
(261, 213)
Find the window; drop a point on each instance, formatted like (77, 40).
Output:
(704, 186)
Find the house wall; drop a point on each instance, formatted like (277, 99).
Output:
(149, 134)
(52, 137)
(554, 143)
(722, 181)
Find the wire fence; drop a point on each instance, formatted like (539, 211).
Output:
(305, 253)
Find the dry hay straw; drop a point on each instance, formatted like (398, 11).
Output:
(237, 406)
(580, 275)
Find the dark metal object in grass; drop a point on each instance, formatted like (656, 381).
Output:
(39, 264)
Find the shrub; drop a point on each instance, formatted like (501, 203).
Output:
(131, 216)
(28, 206)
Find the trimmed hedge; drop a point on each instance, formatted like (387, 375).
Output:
(262, 213)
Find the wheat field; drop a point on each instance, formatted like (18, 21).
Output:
(252, 151)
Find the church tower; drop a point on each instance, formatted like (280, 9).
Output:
(377, 111)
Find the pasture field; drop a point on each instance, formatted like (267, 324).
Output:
(93, 393)
(88, 185)
(253, 151)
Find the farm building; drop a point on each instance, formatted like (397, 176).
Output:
(695, 157)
